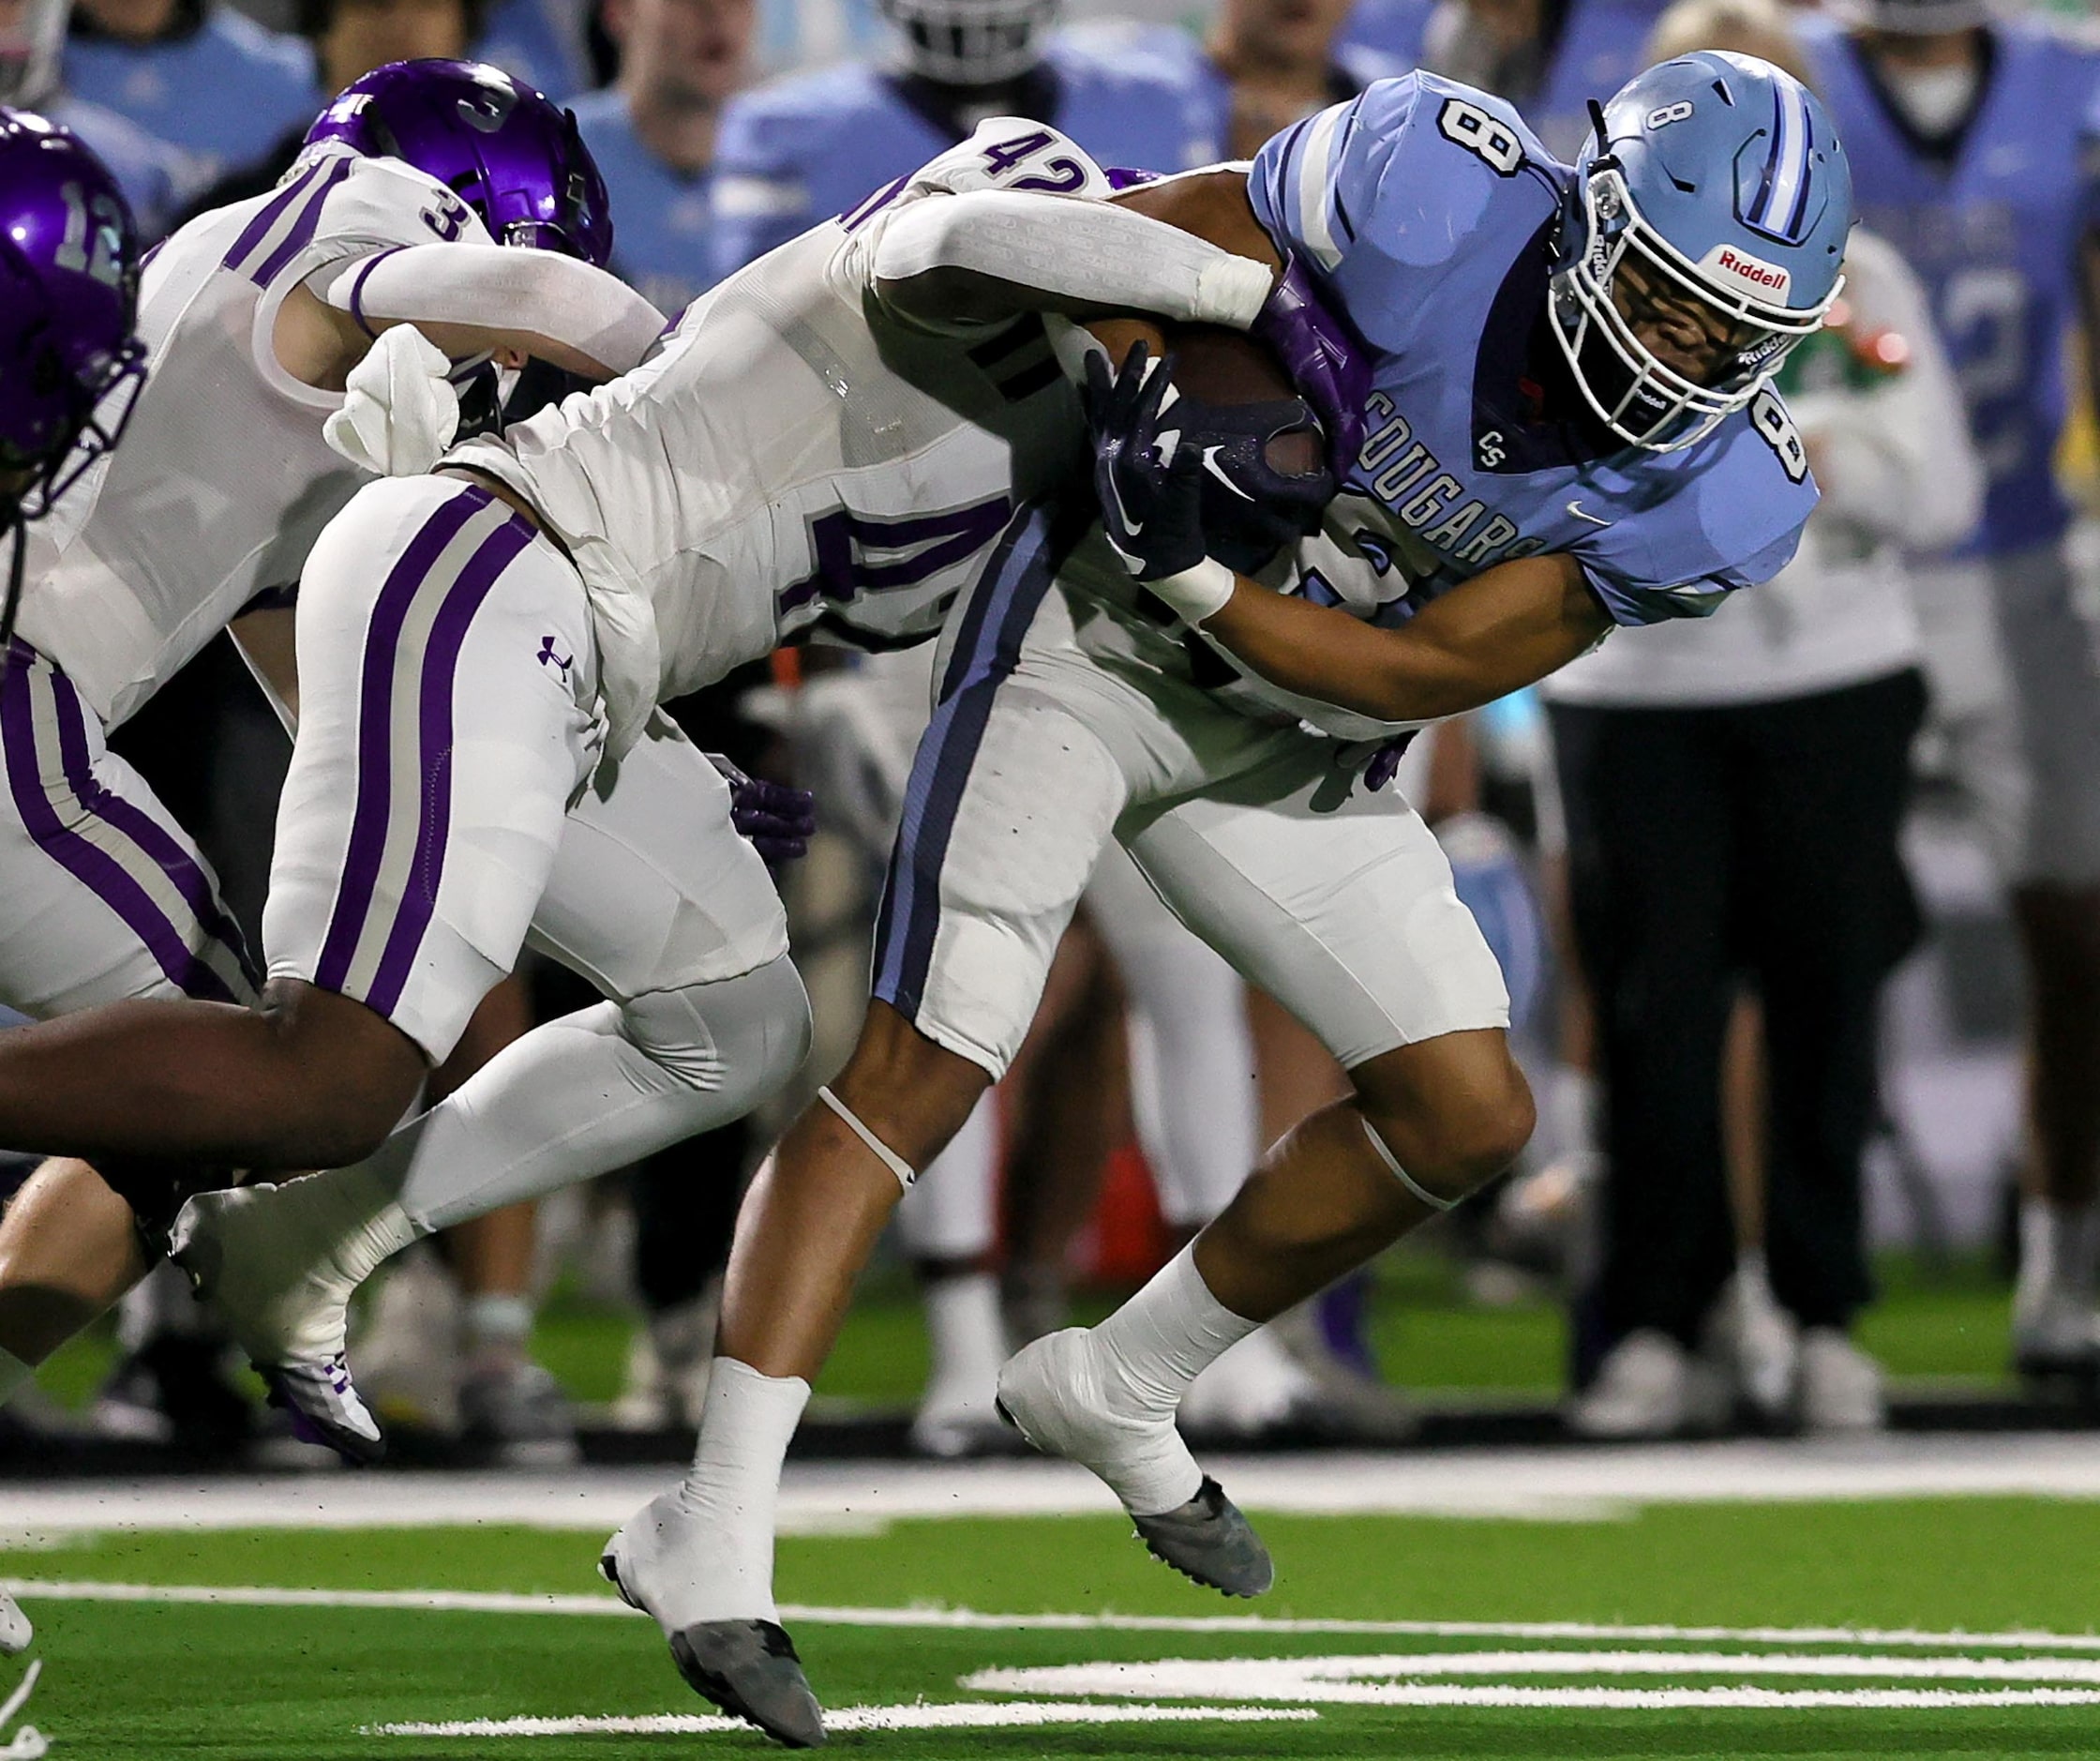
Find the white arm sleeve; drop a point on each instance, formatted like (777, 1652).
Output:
(1091, 254)
(499, 288)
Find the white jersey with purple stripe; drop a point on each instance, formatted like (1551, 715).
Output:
(223, 481)
(792, 462)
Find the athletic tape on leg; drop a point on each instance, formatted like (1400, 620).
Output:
(904, 1172)
(1401, 1174)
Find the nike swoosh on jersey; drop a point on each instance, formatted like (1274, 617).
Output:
(1575, 508)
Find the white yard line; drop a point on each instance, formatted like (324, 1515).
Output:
(1557, 1485)
(970, 1619)
(958, 1715)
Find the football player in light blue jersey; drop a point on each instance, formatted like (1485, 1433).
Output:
(1548, 400)
(1964, 127)
(1548, 57)
(801, 150)
(194, 73)
(654, 135)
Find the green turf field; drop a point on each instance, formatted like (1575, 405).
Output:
(1717, 1596)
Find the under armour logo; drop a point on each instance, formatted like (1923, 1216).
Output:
(547, 657)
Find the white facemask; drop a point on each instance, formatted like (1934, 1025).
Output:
(1934, 100)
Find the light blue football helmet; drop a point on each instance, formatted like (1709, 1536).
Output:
(1721, 175)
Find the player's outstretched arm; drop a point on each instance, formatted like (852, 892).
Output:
(1187, 249)
(469, 300)
(1495, 634)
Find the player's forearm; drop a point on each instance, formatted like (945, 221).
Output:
(471, 299)
(1459, 653)
(989, 254)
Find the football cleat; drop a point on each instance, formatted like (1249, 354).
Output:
(277, 1265)
(748, 1667)
(15, 1630)
(1050, 1391)
(2056, 1335)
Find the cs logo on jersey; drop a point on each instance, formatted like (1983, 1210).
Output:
(1490, 449)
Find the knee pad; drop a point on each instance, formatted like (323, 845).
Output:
(739, 1039)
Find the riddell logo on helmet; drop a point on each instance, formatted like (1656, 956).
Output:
(1752, 275)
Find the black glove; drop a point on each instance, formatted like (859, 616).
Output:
(1152, 511)
(776, 820)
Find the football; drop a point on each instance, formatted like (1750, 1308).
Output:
(1223, 367)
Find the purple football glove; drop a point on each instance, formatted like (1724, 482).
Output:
(1151, 511)
(1325, 359)
(777, 820)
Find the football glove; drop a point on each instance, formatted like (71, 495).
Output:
(1326, 361)
(400, 408)
(1148, 481)
(777, 820)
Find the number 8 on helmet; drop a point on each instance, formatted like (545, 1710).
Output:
(1716, 177)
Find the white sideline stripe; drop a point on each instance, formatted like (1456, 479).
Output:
(824, 1496)
(959, 1715)
(970, 1619)
(1311, 1678)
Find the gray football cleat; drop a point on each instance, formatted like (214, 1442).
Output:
(748, 1667)
(1209, 1541)
(1053, 1392)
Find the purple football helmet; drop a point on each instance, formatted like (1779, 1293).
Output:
(69, 306)
(501, 147)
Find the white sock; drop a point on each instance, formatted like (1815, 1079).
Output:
(14, 1376)
(733, 1487)
(497, 1327)
(2059, 1245)
(964, 1334)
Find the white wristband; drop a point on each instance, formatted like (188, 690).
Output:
(1195, 594)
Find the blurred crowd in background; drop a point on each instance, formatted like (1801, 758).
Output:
(1799, 906)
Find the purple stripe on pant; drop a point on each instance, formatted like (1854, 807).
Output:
(163, 849)
(95, 868)
(366, 847)
(440, 668)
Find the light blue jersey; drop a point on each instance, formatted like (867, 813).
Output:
(663, 222)
(222, 93)
(1601, 47)
(1428, 211)
(805, 149)
(1991, 227)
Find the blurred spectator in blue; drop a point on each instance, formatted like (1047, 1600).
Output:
(196, 74)
(546, 43)
(349, 39)
(1548, 57)
(805, 148)
(155, 177)
(1963, 125)
(1265, 65)
(814, 33)
(653, 133)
